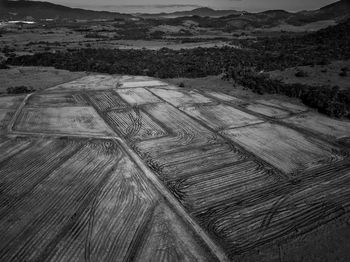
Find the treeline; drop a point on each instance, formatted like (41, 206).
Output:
(241, 65)
(332, 43)
(265, 54)
(330, 101)
(164, 63)
(3, 65)
(20, 90)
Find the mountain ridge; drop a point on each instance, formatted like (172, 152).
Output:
(38, 10)
(201, 11)
(46, 10)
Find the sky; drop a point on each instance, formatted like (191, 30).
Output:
(170, 5)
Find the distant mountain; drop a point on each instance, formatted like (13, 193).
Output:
(202, 11)
(19, 10)
(342, 6)
(337, 12)
(231, 20)
(228, 20)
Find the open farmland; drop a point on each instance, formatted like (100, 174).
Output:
(221, 116)
(267, 110)
(8, 105)
(108, 168)
(138, 96)
(225, 97)
(320, 124)
(293, 108)
(36, 77)
(107, 100)
(135, 81)
(57, 99)
(282, 147)
(179, 98)
(63, 120)
(95, 198)
(10, 102)
(5, 118)
(134, 124)
(95, 82)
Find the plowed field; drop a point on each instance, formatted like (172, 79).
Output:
(128, 168)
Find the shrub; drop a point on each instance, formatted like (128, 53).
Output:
(20, 90)
(3, 66)
(301, 73)
(343, 73)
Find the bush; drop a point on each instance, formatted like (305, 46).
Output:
(96, 35)
(3, 66)
(20, 90)
(343, 73)
(301, 73)
(157, 35)
(335, 109)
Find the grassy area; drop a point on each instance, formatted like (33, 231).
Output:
(217, 84)
(35, 77)
(212, 83)
(318, 75)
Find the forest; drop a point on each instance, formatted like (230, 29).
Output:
(321, 47)
(264, 54)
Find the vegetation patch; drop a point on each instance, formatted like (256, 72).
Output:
(330, 101)
(20, 90)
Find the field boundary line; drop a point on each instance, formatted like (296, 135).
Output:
(61, 83)
(214, 248)
(18, 111)
(55, 135)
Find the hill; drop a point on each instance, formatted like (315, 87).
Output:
(203, 12)
(232, 20)
(337, 12)
(19, 10)
(227, 20)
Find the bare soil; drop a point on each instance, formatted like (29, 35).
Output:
(131, 168)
